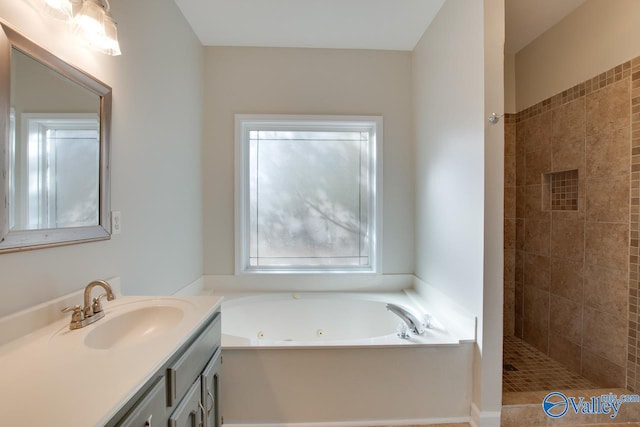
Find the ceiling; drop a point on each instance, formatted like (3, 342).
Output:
(349, 24)
(346, 24)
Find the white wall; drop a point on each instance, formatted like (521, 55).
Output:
(458, 79)
(156, 147)
(449, 122)
(489, 374)
(597, 36)
(307, 81)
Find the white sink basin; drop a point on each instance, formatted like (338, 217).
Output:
(133, 327)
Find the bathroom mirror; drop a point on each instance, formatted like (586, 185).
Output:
(54, 149)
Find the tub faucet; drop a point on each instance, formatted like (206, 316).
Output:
(407, 317)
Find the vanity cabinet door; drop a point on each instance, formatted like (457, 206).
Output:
(188, 367)
(210, 379)
(189, 412)
(151, 410)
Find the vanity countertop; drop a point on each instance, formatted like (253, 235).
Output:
(50, 377)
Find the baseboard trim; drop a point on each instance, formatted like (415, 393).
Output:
(484, 419)
(367, 423)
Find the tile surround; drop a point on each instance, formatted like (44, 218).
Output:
(633, 357)
(510, 226)
(535, 330)
(567, 279)
(607, 199)
(568, 122)
(536, 236)
(565, 318)
(606, 245)
(568, 239)
(581, 262)
(607, 154)
(537, 271)
(536, 164)
(608, 110)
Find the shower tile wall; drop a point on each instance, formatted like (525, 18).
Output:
(509, 224)
(633, 356)
(571, 268)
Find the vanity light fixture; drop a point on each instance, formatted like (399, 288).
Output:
(59, 9)
(90, 21)
(93, 24)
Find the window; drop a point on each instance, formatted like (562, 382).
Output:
(308, 193)
(45, 194)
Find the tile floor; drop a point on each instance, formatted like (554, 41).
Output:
(537, 374)
(528, 370)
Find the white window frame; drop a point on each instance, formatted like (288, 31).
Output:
(246, 122)
(39, 209)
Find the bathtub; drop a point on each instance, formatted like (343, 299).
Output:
(335, 359)
(323, 320)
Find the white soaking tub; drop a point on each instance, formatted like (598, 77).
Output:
(334, 359)
(323, 320)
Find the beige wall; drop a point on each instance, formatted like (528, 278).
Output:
(35, 89)
(509, 83)
(599, 35)
(307, 81)
(156, 145)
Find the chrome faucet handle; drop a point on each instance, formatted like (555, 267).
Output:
(97, 304)
(77, 315)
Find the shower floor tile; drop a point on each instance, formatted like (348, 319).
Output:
(525, 369)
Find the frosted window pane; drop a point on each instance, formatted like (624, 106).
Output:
(77, 163)
(308, 198)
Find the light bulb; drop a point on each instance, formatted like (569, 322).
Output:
(88, 22)
(59, 9)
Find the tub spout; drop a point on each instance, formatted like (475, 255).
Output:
(407, 317)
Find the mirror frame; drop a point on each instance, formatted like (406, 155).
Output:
(23, 240)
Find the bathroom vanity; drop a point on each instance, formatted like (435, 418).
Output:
(184, 392)
(151, 361)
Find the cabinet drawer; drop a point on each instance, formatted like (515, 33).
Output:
(188, 413)
(180, 374)
(151, 410)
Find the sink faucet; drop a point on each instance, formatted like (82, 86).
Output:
(407, 317)
(89, 309)
(91, 312)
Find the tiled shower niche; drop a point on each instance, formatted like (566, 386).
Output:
(572, 266)
(560, 191)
